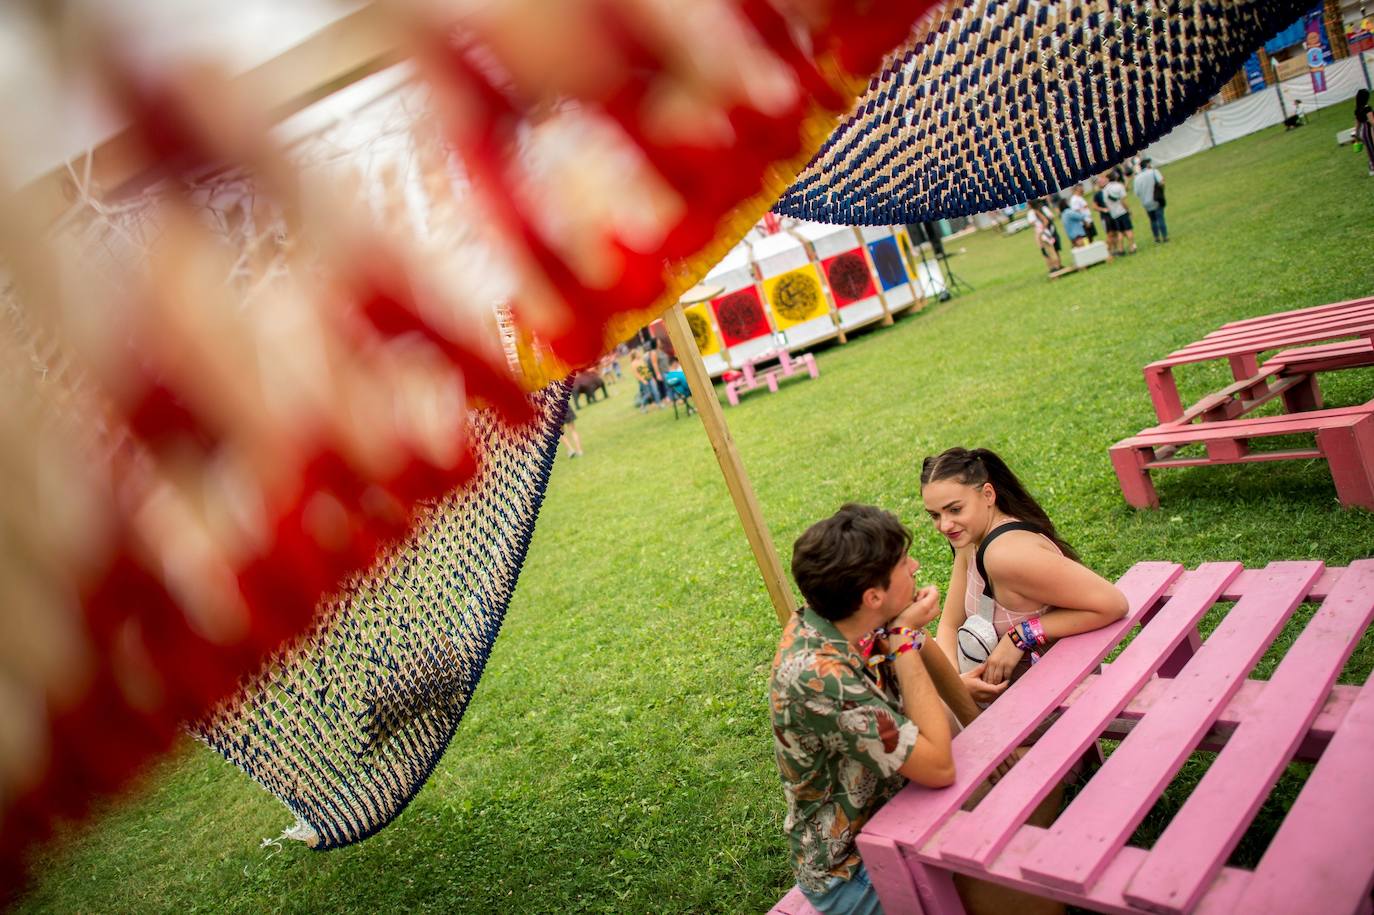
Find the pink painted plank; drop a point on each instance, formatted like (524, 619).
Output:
(1310, 310)
(888, 870)
(1252, 345)
(794, 903)
(915, 812)
(1288, 324)
(1212, 820)
(1322, 858)
(1241, 706)
(1103, 896)
(985, 832)
(1255, 426)
(1246, 582)
(1116, 799)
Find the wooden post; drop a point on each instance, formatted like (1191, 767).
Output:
(736, 480)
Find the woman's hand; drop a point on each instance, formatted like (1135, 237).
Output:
(1002, 662)
(980, 690)
(921, 610)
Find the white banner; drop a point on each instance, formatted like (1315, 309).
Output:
(1343, 79)
(1246, 115)
(1187, 138)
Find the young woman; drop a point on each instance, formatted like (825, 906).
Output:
(1364, 126)
(1016, 586)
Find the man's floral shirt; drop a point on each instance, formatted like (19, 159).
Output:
(838, 739)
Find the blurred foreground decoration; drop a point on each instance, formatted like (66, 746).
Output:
(245, 383)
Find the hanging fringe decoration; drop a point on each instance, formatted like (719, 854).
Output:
(1002, 101)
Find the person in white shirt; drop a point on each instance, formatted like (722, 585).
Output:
(1115, 195)
(1149, 187)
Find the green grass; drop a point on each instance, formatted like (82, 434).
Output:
(617, 754)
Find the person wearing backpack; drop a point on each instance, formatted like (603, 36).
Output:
(1149, 187)
(1016, 586)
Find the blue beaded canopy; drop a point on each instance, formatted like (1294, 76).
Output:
(992, 103)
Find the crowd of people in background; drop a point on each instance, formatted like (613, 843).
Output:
(1078, 208)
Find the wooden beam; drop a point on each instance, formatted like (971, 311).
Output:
(736, 480)
(337, 56)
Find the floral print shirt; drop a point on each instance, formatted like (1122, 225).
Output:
(839, 739)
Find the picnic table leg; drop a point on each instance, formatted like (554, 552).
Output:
(773, 382)
(811, 369)
(1164, 393)
(1350, 454)
(1244, 366)
(892, 877)
(1303, 396)
(732, 393)
(1134, 477)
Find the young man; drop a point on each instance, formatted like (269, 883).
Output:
(1114, 192)
(849, 732)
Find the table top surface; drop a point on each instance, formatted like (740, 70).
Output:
(1084, 857)
(1353, 318)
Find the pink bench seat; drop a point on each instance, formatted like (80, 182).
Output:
(1344, 438)
(1320, 860)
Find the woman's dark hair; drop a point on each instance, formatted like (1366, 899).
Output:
(978, 466)
(1361, 102)
(836, 560)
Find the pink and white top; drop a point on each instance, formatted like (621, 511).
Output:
(976, 603)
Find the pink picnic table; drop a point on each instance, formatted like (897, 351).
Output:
(1240, 343)
(1344, 435)
(1166, 695)
(753, 378)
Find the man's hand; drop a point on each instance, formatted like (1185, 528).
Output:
(922, 610)
(1002, 662)
(979, 689)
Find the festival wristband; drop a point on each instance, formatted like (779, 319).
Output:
(1037, 631)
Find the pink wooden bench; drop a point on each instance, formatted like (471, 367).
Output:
(753, 379)
(1176, 693)
(1344, 438)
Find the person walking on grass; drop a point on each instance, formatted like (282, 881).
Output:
(1010, 601)
(570, 436)
(1364, 126)
(1114, 193)
(1149, 187)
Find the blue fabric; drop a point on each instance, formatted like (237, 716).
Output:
(847, 897)
(1294, 34)
(1073, 224)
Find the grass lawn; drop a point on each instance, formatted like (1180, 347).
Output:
(617, 754)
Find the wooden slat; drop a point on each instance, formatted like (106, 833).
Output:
(731, 465)
(1212, 820)
(1250, 577)
(1251, 344)
(1327, 835)
(1098, 822)
(1252, 457)
(1103, 896)
(1241, 706)
(1311, 310)
(794, 903)
(986, 831)
(1286, 324)
(1255, 426)
(916, 812)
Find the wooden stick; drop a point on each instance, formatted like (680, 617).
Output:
(736, 480)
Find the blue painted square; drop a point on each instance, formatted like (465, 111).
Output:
(888, 261)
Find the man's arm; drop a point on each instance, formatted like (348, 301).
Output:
(948, 683)
(931, 762)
